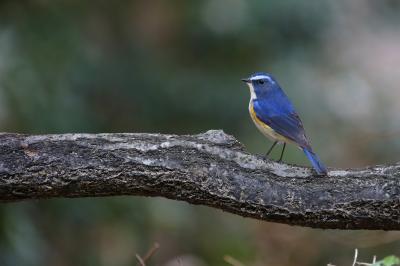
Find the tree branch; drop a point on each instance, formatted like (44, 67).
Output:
(210, 169)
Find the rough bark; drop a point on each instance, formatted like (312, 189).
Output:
(210, 169)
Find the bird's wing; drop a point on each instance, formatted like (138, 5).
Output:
(283, 120)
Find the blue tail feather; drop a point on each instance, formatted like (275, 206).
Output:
(315, 161)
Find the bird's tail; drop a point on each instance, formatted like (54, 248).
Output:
(315, 161)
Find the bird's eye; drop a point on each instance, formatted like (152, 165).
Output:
(261, 81)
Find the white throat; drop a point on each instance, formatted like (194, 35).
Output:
(253, 95)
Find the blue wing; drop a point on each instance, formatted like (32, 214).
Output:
(278, 113)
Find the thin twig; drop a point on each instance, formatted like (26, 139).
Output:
(149, 254)
(355, 257)
(151, 251)
(141, 262)
(367, 264)
(232, 261)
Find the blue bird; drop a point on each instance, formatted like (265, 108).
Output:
(274, 115)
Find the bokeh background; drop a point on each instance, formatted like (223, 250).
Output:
(175, 67)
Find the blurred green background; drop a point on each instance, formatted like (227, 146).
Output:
(175, 67)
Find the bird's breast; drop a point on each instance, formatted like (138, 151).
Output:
(264, 128)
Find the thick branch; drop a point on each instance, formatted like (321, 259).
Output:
(209, 169)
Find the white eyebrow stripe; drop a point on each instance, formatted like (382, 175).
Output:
(260, 77)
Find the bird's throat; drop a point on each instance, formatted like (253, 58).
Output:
(252, 92)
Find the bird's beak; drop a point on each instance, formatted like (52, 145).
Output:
(246, 80)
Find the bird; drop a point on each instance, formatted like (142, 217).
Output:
(275, 116)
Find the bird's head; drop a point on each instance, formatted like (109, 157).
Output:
(260, 84)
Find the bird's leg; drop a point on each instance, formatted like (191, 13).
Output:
(283, 150)
(270, 149)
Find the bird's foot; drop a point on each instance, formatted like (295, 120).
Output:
(265, 157)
